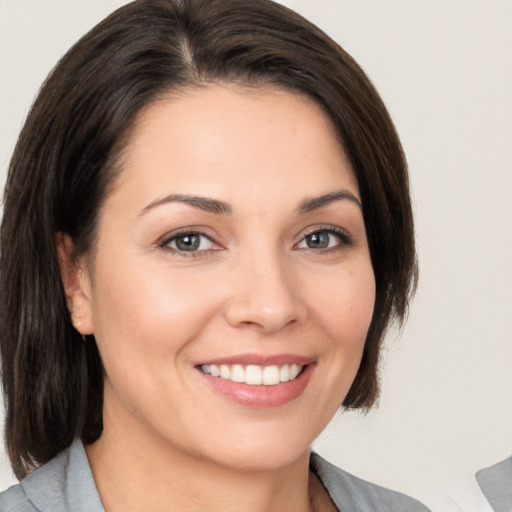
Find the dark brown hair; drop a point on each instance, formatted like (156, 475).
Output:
(65, 160)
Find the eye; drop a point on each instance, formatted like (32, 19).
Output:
(324, 239)
(189, 242)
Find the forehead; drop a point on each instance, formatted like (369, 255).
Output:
(229, 140)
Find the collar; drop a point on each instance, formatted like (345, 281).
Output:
(65, 484)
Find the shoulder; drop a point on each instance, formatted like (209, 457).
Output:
(352, 494)
(496, 484)
(41, 490)
(14, 499)
(65, 484)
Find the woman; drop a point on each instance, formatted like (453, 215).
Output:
(496, 484)
(207, 229)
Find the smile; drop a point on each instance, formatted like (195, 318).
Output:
(254, 375)
(259, 381)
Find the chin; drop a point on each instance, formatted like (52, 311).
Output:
(269, 460)
(266, 450)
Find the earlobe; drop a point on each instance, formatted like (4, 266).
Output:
(76, 284)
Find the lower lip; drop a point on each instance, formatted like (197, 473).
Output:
(261, 396)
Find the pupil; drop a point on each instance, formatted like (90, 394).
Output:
(318, 240)
(187, 242)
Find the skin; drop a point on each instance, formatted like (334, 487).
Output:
(255, 286)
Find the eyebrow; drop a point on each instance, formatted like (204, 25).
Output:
(315, 203)
(203, 203)
(217, 207)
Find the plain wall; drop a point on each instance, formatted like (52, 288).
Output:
(444, 68)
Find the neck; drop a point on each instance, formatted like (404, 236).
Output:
(134, 471)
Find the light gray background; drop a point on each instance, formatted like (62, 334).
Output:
(444, 68)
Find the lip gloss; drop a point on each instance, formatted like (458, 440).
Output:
(260, 395)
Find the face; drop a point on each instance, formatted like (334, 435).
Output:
(230, 290)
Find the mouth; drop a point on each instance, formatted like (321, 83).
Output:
(259, 381)
(254, 375)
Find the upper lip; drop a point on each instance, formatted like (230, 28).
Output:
(260, 360)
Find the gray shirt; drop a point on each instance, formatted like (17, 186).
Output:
(66, 484)
(496, 484)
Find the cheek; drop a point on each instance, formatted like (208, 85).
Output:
(341, 304)
(147, 314)
(344, 304)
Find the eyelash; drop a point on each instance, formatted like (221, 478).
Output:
(344, 241)
(344, 238)
(164, 243)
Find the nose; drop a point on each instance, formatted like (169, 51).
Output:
(264, 295)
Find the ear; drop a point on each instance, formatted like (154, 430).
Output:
(77, 285)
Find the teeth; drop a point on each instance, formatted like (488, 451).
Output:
(237, 373)
(294, 371)
(254, 375)
(271, 375)
(225, 372)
